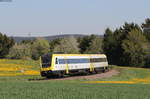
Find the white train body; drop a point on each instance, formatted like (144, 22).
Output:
(66, 63)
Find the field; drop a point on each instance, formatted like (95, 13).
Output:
(18, 82)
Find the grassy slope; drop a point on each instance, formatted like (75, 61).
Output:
(127, 73)
(20, 87)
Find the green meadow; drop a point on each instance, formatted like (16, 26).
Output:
(36, 87)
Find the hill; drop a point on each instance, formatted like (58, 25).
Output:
(19, 39)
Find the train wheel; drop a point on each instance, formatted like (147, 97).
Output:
(91, 72)
(87, 72)
(107, 69)
(103, 70)
(61, 74)
(96, 71)
(48, 77)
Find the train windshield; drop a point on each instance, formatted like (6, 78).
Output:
(46, 60)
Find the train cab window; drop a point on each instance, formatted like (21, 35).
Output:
(46, 60)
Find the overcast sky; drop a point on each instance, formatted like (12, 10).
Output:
(53, 17)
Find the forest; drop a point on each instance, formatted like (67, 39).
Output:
(127, 45)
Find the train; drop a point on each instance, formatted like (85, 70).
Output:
(62, 64)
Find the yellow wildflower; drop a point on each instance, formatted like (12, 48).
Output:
(31, 72)
(113, 82)
(9, 69)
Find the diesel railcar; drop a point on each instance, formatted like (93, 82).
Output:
(60, 64)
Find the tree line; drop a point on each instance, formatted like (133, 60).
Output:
(33, 49)
(128, 45)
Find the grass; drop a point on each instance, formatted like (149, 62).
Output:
(23, 87)
(34, 64)
(128, 73)
(10, 67)
(69, 90)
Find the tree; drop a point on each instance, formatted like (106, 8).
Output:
(134, 47)
(54, 43)
(84, 43)
(120, 35)
(95, 47)
(146, 24)
(146, 28)
(5, 44)
(39, 47)
(147, 60)
(109, 46)
(67, 45)
(113, 43)
(20, 51)
(27, 41)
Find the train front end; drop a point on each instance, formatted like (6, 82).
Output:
(46, 65)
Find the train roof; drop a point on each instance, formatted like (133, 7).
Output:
(79, 54)
(62, 54)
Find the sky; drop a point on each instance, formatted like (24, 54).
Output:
(55, 17)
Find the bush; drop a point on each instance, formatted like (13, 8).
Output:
(5, 44)
(67, 45)
(20, 51)
(39, 47)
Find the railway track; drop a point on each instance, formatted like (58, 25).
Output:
(92, 76)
